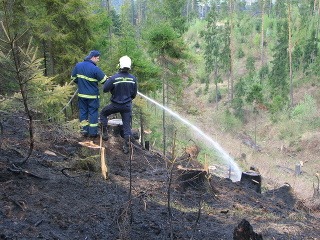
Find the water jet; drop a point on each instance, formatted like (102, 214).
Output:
(224, 155)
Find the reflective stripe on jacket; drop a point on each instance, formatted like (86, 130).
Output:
(123, 87)
(87, 75)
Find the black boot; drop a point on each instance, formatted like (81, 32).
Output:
(105, 136)
(125, 147)
(84, 134)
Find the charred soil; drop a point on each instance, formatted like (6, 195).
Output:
(59, 193)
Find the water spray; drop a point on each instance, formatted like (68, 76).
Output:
(233, 165)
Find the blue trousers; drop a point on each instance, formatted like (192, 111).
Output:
(125, 111)
(88, 115)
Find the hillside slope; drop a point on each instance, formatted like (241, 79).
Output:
(274, 156)
(60, 194)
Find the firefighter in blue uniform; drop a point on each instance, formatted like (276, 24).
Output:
(123, 88)
(87, 75)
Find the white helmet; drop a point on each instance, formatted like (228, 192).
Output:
(125, 62)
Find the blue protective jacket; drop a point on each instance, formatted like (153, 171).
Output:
(87, 75)
(123, 87)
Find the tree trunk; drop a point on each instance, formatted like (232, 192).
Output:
(231, 9)
(216, 83)
(141, 127)
(164, 118)
(262, 34)
(290, 52)
(133, 13)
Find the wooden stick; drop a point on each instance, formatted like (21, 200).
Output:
(104, 168)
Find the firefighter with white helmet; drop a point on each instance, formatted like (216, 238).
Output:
(125, 62)
(123, 87)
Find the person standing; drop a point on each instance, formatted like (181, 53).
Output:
(123, 87)
(87, 75)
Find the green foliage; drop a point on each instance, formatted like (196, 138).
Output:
(250, 65)
(206, 88)
(240, 53)
(101, 21)
(301, 118)
(278, 77)
(44, 95)
(278, 104)
(8, 86)
(21, 65)
(148, 74)
(173, 13)
(239, 94)
(214, 96)
(116, 22)
(49, 98)
(314, 67)
(246, 25)
(297, 55)
(280, 9)
(254, 94)
(125, 42)
(164, 40)
(263, 72)
(202, 75)
(310, 51)
(211, 37)
(197, 45)
(237, 105)
(193, 111)
(228, 121)
(258, 26)
(62, 31)
(193, 34)
(198, 92)
(256, 41)
(305, 111)
(216, 52)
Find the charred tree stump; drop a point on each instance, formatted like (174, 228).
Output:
(251, 180)
(194, 178)
(147, 145)
(244, 231)
(298, 170)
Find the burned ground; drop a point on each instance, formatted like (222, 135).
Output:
(60, 194)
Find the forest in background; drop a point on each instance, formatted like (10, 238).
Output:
(246, 60)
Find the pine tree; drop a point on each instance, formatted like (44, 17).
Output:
(213, 36)
(62, 30)
(310, 50)
(165, 44)
(19, 62)
(278, 77)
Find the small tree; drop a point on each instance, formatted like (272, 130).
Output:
(19, 61)
(278, 77)
(214, 54)
(165, 44)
